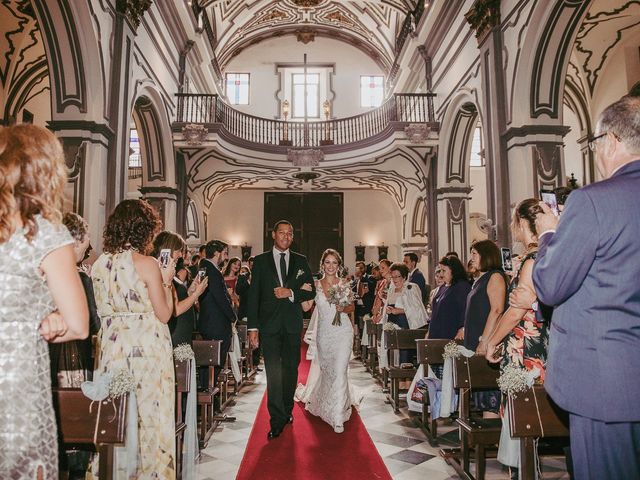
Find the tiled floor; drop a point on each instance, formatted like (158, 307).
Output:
(398, 438)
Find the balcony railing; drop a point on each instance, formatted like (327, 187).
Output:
(209, 109)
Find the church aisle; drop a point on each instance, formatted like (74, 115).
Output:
(397, 437)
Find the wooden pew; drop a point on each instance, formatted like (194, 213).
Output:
(247, 367)
(532, 414)
(473, 373)
(77, 425)
(430, 352)
(183, 386)
(207, 354)
(396, 340)
(377, 335)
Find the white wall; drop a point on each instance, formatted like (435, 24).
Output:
(260, 61)
(572, 154)
(370, 217)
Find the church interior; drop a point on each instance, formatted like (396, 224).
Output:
(377, 128)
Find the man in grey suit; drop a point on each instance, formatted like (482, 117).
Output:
(588, 269)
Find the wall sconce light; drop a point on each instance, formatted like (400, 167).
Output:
(246, 252)
(360, 253)
(382, 252)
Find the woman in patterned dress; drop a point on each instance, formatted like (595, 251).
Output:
(135, 302)
(41, 297)
(523, 335)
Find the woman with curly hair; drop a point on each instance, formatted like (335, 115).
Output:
(135, 301)
(41, 297)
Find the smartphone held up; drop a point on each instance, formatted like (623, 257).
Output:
(507, 263)
(549, 197)
(164, 258)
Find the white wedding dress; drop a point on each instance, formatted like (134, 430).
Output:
(327, 393)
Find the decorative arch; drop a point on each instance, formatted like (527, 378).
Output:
(456, 136)
(419, 221)
(73, 58)
(192, 222)
(154, 132)
(543, 73)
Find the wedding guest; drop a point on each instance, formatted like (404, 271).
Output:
(41, 297)
(415, 275)
(216, 309)
(381, 290)
(403, 305)
(230, 274)
(486, 301)
(587, 269)
(71, 362)
(523, 336)
(370, 294)
(181, 324)
(135, 301)
(439, 282)
(447, 312)
(485, 304)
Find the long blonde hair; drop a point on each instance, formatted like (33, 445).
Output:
(32, 178)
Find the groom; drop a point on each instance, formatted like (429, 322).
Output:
(274, 309)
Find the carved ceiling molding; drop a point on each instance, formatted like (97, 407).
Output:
(370, 25)
(398, 173)
(599, 34)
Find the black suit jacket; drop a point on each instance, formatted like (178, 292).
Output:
(216, 311)
(268, 313)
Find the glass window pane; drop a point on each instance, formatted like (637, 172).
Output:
(237, 88)
(371, 90)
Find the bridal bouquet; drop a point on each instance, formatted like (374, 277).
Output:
(340, 295)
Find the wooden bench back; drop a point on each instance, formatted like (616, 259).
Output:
(475, 372)
(533, 414)
(77, 418)
(207, 353)
(183, 376)
(431, 351)
(404, 338)
(377, 330)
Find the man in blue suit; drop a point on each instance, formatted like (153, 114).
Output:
(588, 269)
(415, 275)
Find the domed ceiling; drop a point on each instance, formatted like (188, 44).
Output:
(370, 25)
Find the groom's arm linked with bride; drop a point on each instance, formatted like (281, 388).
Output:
(275, 311)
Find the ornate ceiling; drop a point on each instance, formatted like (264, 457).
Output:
(371, 25)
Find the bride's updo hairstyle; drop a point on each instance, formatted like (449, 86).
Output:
(325, 254)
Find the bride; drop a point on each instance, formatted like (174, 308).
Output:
(327, 393)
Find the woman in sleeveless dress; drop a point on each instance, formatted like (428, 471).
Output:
(523, 335)
(41, 298)
(135, 301)
(327, 394)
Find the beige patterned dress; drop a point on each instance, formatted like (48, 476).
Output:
(132, 337)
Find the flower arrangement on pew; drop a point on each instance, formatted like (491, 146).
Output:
(451, 350)
(515, 379)
(390, 326)
(183, 352)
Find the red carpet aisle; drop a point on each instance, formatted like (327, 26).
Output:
(309, 449)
